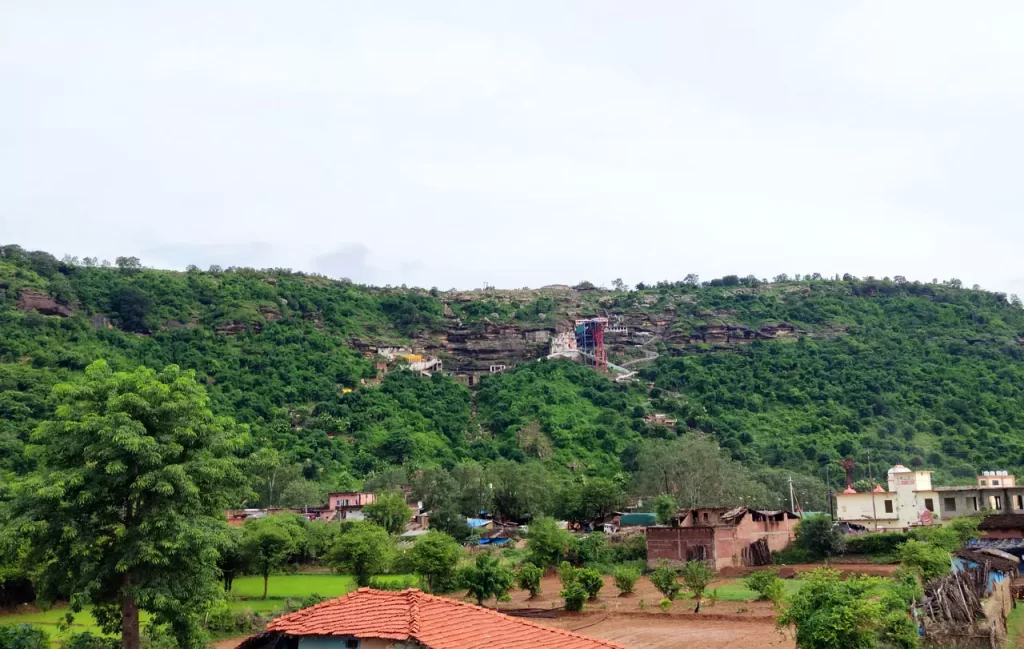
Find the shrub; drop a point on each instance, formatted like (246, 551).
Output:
(792, 554)
(944, 537)
(566, 573)
(665, 605)
(393, 583)
(697, 575)
(22, 636)
(528, 578)
(820, 536)
(591, 580)
(929, 560)
(87, 640)
(767, 585)
(880, 543)
(631, 548)
(574, 595)
(664, 579)
(312, 600)
(625, 579)
(831, 612)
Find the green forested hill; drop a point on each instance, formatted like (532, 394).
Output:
(924, 374)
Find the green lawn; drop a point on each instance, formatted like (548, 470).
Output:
(246, 592)
(737, 591)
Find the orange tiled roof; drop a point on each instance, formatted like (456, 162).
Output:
(436, 622)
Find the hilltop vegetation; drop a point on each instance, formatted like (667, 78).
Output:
(925, 374)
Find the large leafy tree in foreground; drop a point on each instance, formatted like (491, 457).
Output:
(134, 472)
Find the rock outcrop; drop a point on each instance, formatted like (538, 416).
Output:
(42, 303)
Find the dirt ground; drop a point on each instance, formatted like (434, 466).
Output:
(654, 631)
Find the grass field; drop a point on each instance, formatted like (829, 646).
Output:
(246, 593)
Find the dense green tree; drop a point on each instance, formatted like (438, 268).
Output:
(451, 522)
(435, 556)
(266, 545)
(665, 508)
(389, 511)
(123, 513)
(547, 543)
(231, 560)
(362, 549)
(696, 473)
(487, 577)
(820, 535)
(592, 500)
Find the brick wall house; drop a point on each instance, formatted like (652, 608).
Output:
(721, 536)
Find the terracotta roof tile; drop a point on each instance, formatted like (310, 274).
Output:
(436, 622)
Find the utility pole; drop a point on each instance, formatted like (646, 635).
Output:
(792, 505)
(828, 491)
(874, 510)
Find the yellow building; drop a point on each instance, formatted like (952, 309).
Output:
(910, 495)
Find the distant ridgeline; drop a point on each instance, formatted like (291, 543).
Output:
(797, 372)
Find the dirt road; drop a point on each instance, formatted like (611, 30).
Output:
(654, 632)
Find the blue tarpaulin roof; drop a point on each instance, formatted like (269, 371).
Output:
(477, 522)
(493, 541)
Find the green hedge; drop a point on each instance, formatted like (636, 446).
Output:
(879, 543)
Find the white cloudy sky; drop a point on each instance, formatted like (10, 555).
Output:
(456, 143)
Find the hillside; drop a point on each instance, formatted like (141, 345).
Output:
(793, 373)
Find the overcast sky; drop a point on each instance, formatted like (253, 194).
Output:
(519, 143)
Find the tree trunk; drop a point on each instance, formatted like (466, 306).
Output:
(129, 619)
(266, 578)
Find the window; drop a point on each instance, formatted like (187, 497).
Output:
(982, 483)
(339, 503)
(995, 483)
(346, 502)
(705, 518)
(929, 504)
(888, 507)
(949, 504)
(998, 502)
(1020, 501)
(974, 502)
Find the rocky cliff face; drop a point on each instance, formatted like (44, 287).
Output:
(477, 347)
(42, 303)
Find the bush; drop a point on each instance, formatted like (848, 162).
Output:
(697, 575)
(87, 640)
(591, 580)
(222, 619)
(930, 561)
(664, 579)
(394, 583)
(945, 537)
(22, 636)
(574, 595)
(820, 536)
(631, 548)
(528, 578)
(590, 549)
(566, 573)
(625, 579)
(767, 585)
(312, 600)
(665, 605)
(876, 544)
(791, 554)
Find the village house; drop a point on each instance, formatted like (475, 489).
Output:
(724, 537)
(410, 619)
(347, 505)
(911, 499)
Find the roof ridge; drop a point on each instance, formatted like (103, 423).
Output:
(413, 595)
(521, 621)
